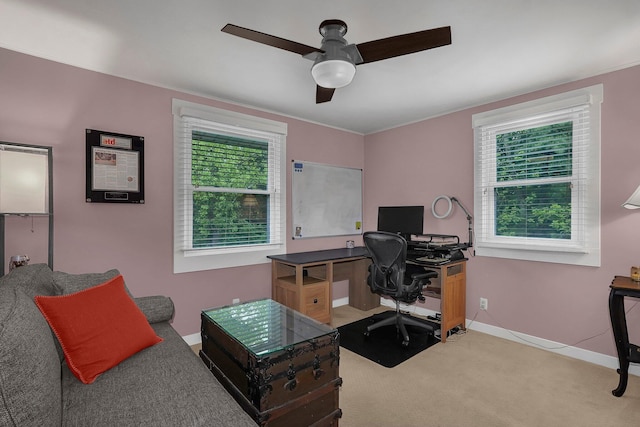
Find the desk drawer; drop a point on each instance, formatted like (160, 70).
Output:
(315, 302)
(452, 270)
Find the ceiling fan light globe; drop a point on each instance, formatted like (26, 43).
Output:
(333, 73)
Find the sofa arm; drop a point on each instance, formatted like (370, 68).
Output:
(156, 308)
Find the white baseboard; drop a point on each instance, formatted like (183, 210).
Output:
(530, 340)
(192, 339)
(553, 346)
(340, 301)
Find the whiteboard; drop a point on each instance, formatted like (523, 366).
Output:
(326, 200)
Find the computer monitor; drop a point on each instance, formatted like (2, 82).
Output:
(403, 220)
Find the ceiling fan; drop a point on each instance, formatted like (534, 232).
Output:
(334, 63)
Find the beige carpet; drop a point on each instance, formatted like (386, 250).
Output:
(477, 380)
(480, 380)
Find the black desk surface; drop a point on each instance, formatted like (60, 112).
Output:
(321, 256)
(298, 258)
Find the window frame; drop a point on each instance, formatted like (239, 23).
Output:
(584, 247)
(211, 118)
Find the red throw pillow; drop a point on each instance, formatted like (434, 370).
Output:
(98, 327)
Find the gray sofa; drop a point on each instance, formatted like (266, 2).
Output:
(163, 385)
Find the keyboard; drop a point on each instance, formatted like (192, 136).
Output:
(432, 260)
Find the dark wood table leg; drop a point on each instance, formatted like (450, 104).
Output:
(621, 336)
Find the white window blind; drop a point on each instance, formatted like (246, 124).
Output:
(537, 179)
(229, 198)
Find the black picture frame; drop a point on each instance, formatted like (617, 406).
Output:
(115, 167)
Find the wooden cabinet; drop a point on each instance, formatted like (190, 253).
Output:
(305, 288)
(451, 288)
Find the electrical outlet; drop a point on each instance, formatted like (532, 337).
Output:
(484, 304)
(235, 301)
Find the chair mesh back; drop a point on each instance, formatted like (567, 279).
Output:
(389, 254)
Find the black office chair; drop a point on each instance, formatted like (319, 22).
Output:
(388, 276)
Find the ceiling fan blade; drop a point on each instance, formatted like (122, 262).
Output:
(404, 44)
(270, 40)
(323, 94)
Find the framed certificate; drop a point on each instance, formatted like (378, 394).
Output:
(115, 167)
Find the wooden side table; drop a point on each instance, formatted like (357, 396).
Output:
(621, 287)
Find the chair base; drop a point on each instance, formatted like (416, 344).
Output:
(400, 321)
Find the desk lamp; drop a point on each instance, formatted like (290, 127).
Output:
(633, 202)
(450, 209)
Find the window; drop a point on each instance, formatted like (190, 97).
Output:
(229, 188)
(537, 179)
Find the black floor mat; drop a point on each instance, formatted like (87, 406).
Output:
(384, 345)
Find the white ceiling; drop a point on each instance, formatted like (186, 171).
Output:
(500, 48)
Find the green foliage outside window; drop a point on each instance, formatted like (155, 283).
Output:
(229, 218)
(538, 209)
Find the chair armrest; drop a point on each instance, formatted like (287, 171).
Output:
(156, 308)
(428, 274)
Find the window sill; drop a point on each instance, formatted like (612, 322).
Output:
(589, 259)
(185, 262)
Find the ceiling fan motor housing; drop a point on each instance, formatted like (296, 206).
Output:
(335, 67)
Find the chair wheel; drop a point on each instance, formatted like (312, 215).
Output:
(405, 343)
(366, 334)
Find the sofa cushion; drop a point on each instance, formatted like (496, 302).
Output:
(156, 308)
(30, 387)
(67, 283)
(35, 279)
(163, 385)
(97, 327)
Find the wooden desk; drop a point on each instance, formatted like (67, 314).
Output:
(304, 282)
(623, 287)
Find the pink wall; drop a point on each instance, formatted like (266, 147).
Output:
(414, 164)
(46, 103)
